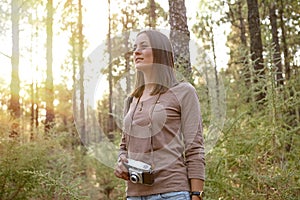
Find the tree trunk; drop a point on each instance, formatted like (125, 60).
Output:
(32, 111)
(256, 47)
(74, 71)
(242, 25)
(36, 100)
(32, 93)
(284, 43)
(15, 80)
(152, 14)
(49, 80)
(14, 105)
(110, 111)
(180, 36)
(277, 53)
(81, 74)
(217, 87)
(243, 38)
(127, 65)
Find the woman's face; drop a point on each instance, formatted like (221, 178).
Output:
(142, 53)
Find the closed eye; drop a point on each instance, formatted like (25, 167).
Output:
(141, 46)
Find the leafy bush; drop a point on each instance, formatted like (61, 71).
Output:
(258, 155)
(38, 170)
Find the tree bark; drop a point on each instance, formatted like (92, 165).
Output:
(32, 110)
(277, 52)
(49, 80)
(36, 100)
(81, 74)
(152, 14)
(284, 44)
(109, 48)
(242, 24)
(180, 36)
(74, 69)
(256, 47)
(243, 38)
(15, 80)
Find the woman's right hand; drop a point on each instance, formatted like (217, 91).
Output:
(120, 170)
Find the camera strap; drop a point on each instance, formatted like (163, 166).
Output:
(149, 126)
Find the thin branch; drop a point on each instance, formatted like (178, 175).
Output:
(5, 55)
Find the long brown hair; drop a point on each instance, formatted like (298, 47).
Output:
(163, 65)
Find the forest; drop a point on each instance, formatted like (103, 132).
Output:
(62, 103)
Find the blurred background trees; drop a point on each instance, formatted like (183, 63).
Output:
(255, 150)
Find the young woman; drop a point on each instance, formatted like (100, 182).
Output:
(162, 128)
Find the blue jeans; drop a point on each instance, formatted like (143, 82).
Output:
(184, 195)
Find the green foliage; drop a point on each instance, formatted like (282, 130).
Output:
(250, 162)
(38, 170)
(257, 156)
(109, 186)
(52, 166)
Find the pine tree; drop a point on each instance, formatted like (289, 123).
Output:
(180, 36)
(15, 80)
(49, 80)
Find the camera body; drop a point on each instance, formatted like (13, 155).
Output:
(139, 172)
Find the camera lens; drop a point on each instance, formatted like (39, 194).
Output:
(134, 178)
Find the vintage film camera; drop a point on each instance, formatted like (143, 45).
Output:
(139, 172)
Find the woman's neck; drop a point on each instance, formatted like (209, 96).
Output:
(149, 82)
(149, 87)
